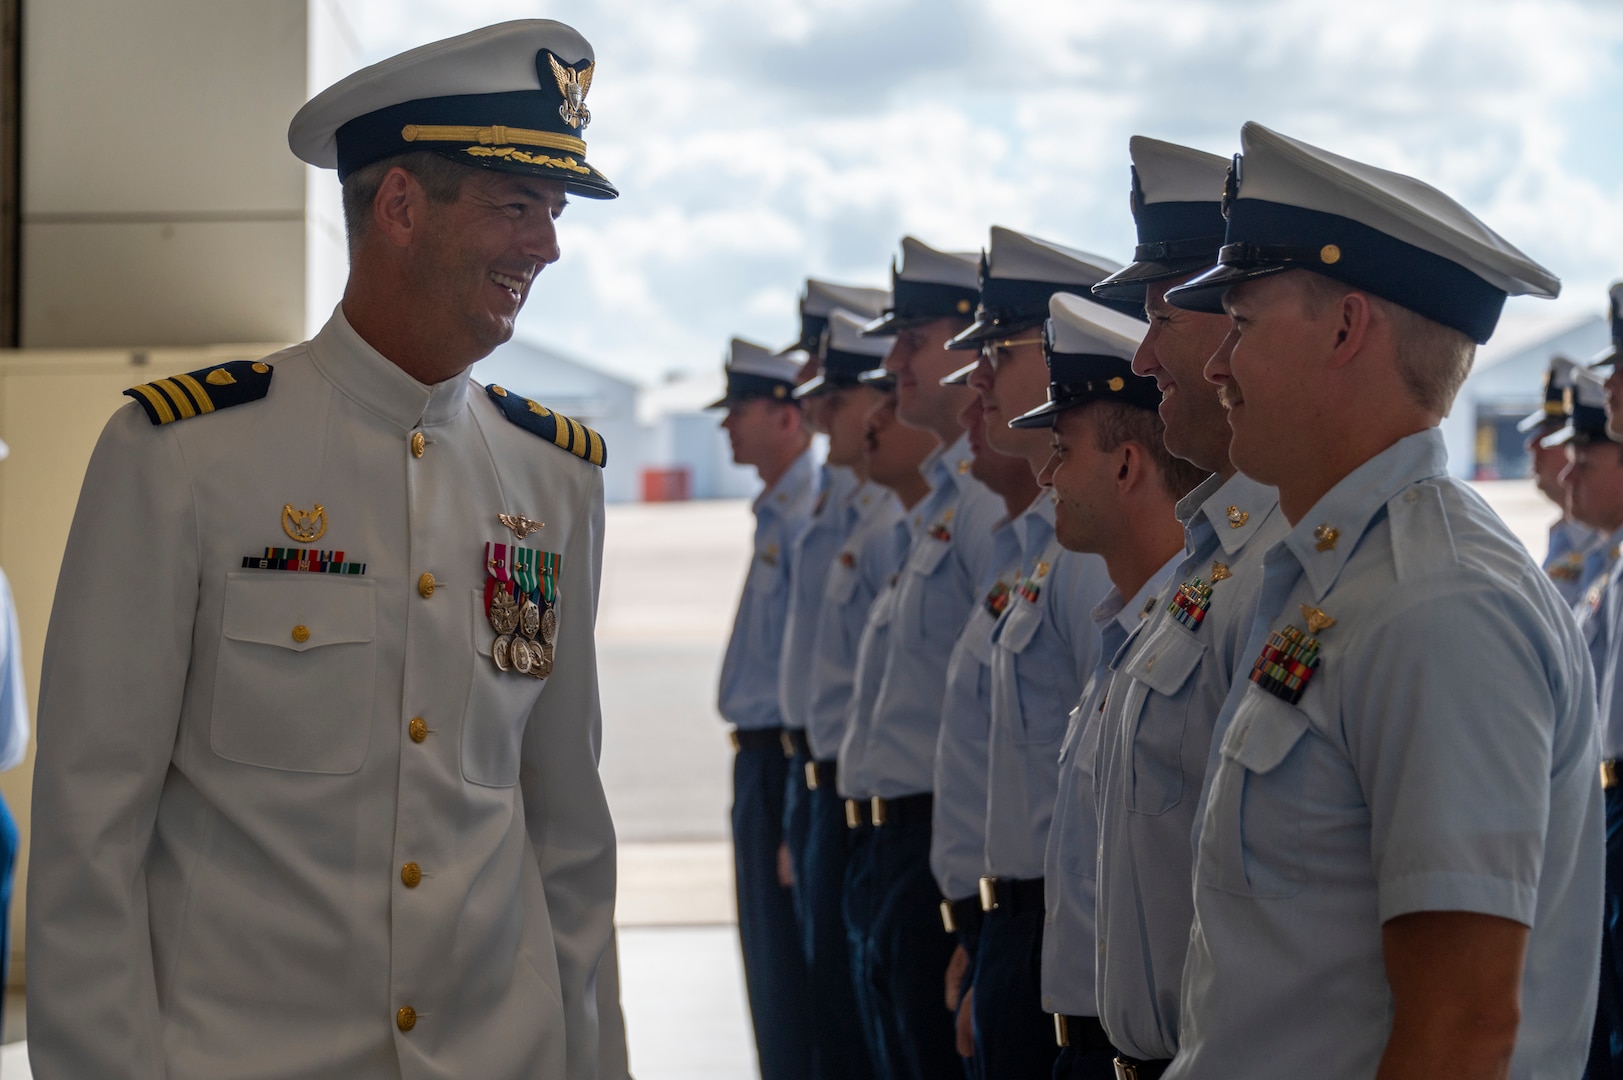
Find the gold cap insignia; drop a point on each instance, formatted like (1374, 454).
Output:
(573, 85)
(1221, 572)
(1326, 535)
(304, 526)
(1317, 620)
(1237, 517)
(521, 525)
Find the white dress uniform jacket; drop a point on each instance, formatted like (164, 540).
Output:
(232, 805)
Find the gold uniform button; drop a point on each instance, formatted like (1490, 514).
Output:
(411, 875)
(418, 729)
(406, 1018)
(419, 444)
(425, 586)
(301, 634)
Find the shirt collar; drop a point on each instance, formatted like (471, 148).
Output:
(790, 486)
(1328, 534)
(377, 384)
(947, 464)
(1234, 511)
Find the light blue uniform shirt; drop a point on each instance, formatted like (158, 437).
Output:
(891, 746)
(1564, 559)
(748, 695)
(1602, 623)
(958, 826)
(812, 553)
(1154, 738)
(1442, 758)
(1071, 861)
(1043, 651)
(872, 648)
(1595, 615)
(859, 570)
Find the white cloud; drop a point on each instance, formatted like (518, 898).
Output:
(760, 141)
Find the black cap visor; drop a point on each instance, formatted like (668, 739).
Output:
(961, 376)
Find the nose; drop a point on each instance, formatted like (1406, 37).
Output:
(539, 239)
(1144, 362)
(980, 379)
(1218, 369)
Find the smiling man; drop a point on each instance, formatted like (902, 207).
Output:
(1398, 869)
(346, 820)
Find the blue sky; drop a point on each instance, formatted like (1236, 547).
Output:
(756, 142)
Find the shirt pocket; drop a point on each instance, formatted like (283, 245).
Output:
(499, 706)
(1039, 714)
(1079, 849)
(1251, 842)
(935, 607)
(1163, 667)
(842, 578)
(295, 680)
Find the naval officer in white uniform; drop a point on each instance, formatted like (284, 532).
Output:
(317, 789)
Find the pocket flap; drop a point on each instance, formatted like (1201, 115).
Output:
(1019, 624)
(1167, 658)
(1263, 731)
(298, 612)
(927, 555)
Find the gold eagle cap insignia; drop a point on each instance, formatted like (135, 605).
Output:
(573, 85)
(521, 525)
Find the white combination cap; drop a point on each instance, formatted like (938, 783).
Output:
(1018, 274)
(1089, 349)
(509, 97)
(1177, 201)
(926, 285)
(846, 353)
(1292, 206)
(822, 297)
(754, 371)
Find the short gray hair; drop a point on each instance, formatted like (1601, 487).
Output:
(441, 179)
(1432, 359)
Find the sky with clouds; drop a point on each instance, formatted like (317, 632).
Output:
(756, 142)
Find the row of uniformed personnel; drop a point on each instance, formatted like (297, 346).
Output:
(1157, 648)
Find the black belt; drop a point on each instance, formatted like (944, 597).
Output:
(961, 916)
(1012, 895)
(820, 774)
(794, 742)
(1611, 774)
(1084, 1032)
(905, 811)
(756, 738)
(1128, 1068)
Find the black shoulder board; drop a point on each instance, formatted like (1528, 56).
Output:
(556, 428)
(203, 391)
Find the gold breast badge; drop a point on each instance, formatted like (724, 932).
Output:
(1317, 620)
(304, 526)
(1221, 572)
(521, 525)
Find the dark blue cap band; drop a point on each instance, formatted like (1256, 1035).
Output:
(928, 300)
(745, 386)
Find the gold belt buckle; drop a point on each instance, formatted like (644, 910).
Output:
(787, 743)
(1125, 1071)
(948, 923)
(989, 896)
(811, 776)
(876, 807)
(732, 737)
(1062, 1030)
(853, 814)
(1610, 775)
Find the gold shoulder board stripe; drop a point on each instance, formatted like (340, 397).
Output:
(180, 397)
(561, 431)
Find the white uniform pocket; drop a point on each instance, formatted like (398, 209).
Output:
(1038, 714)
(1251, 843)
(1155, 780)
(499, 704)
(295, 679)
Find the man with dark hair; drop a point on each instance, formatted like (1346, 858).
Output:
(317, 786)
(767, 433)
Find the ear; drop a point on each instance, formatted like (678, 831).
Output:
(1352, 328)
(1132, 466)
(396, 211)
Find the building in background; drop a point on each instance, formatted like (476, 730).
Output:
(1507, 383)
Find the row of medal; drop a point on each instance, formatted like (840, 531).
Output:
(521, 602)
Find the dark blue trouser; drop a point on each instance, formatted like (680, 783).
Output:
(774, 965)
(1089, 1057)
(8, 866)
(900, 961)
(842, 1051)
(1014, 1037)
(1606, 1045)
(796, 826)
